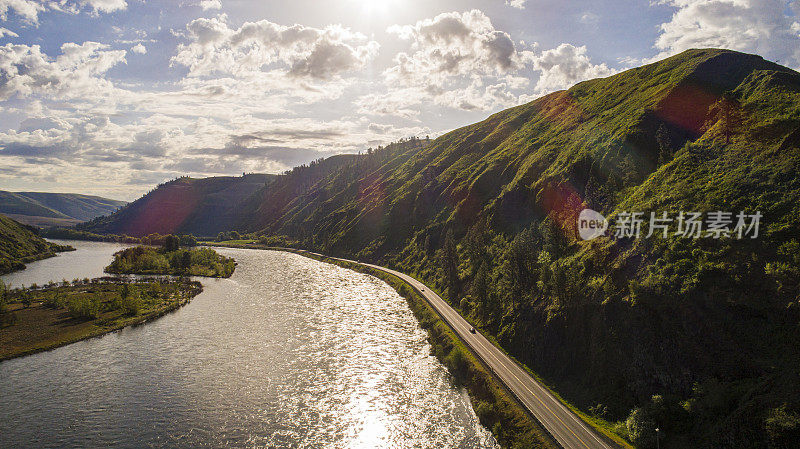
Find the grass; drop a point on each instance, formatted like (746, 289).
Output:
(54, 317)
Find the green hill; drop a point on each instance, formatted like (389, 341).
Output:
(20, 245)
(202, 207)
(37, 208)
(697, 336)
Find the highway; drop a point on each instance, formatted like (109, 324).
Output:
(570, 431)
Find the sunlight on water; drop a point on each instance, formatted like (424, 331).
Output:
(290, 352)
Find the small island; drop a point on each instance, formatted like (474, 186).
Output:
(35, 318)
(171, 259)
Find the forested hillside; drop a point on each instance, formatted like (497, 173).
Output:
(202, 207)
(19, 245)
(697, 336)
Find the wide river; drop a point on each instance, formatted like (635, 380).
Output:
(289, 352)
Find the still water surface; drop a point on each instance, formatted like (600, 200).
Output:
(289, 352)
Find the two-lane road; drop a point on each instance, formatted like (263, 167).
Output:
(568, 429)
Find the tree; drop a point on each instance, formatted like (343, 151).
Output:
(3, 297)
(448, 263)
(664, 144)
(480, 289)
(186, 262)
(188, 241)
(641, 428)
(476, 244)
(172, 243)
(7, 317)
(26, 298)
(728, 112)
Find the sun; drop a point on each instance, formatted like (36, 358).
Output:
(375, 7)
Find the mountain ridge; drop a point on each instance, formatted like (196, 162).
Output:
(695, 336)
(55, 208)
(185, 205)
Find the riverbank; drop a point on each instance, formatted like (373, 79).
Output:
(41, 319)
(496, 407)
(19, 245)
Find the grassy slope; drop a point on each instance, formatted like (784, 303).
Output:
(19, 245)
(56, 205)
(183, 206)
(612, 322)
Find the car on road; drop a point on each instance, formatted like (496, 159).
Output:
(472, 330)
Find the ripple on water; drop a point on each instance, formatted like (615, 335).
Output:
(290, 352)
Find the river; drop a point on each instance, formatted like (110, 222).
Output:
(289, 352)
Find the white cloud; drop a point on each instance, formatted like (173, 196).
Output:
(460, 61)
(139, 49)
(564, 66)
(7, 32)
(105, 6)
(456, 60)
(756, 26)
(589, 18)
(210, 4)
(519, 4)
(453, 44)
(252, 98)
(28, 10)
(262, 47)
(76, 73)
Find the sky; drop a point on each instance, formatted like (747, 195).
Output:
(111, 97)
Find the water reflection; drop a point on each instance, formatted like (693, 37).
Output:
(289, 352)
(88, 260)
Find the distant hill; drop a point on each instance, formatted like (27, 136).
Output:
(55, 209)
(20, 245)
(202, 207)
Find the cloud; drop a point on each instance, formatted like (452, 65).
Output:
(106, 6)
(6, 32)
(589, 18)
(26, 71)
(755, 26)
(453, 44)
(260, 47)
(564, 66)
(460, 61)
(210, 4)
(456, 60)
(139, 49)
(28, 10)
(378, 128)
(519, 4)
